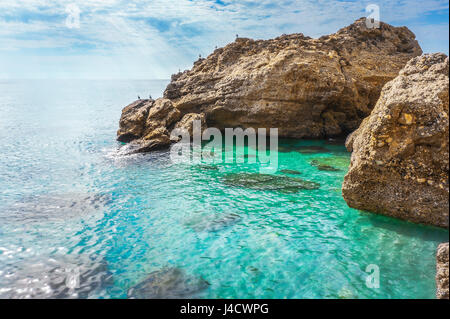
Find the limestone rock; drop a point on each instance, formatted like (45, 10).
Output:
(308, 88)
(187, 122)
(442, 271)
(400, 161)
(133, 119)
(145, 123)
(160, 116)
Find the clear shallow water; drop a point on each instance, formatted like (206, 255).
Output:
(70, 200)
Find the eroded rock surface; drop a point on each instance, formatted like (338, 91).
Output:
(400, 160)
(305, 87)
(442, 291)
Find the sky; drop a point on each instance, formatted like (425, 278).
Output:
(123, 39)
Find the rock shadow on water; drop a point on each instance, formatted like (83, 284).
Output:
(168, 283)
(212, 222)
(55, 207)
(50, 278)
(266, 182)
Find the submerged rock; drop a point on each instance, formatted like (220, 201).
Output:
(212, 222)
(61, 278)
(337, 161)
(56, 207)
(302, 149)
(400, 160)
(442, 270)
(312, 149)
(290, 171)
(324, 167)
(209, 167)
(168, 283)
(279, 183)
(307, 88)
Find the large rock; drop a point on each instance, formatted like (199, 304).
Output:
(308, 88)
(146, 124)
(133, 119)
(400, 160)
(442, 271)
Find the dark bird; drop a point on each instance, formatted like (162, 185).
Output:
(139, 97)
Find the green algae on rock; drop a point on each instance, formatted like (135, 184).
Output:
(281, 183)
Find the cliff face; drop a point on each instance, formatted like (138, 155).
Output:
(400, 160)
(442, 291)
(305, 87)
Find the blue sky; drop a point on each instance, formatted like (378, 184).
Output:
(122, 39)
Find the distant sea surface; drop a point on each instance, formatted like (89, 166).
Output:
(79, 219)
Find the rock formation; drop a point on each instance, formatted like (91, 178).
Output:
(442, 271)
(400, 160)
(307, 88)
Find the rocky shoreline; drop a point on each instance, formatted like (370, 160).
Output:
(372, 82)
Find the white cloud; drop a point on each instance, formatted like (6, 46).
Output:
(157, 37)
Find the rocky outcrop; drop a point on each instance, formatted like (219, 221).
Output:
(306, 87)
(400, 161)
(303, 86)
(146, 123)
(442, 272)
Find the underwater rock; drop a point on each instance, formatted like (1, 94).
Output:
(284, 184)
(168, 283)
(302, 149)
(209, 167)
(324, 167)
(290, 171)
(212, 222)
(56, 207)
(312, 149)
(400, 160)
(50, 278)
(442, 272)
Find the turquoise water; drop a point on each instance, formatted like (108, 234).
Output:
(70, 198)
